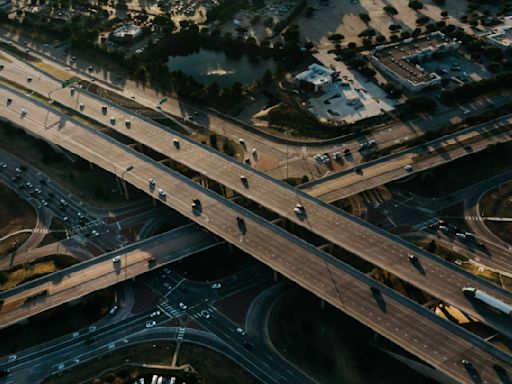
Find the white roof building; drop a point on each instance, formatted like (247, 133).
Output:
(317, 76)
(502, 35)
(128, 31)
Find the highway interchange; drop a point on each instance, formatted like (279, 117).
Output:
(358, 237)
(320, 217)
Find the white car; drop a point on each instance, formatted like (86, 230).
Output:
(240, 331)
(116, 259)
(150, 324)
(299, 209)
(11, 358)
(467, 112)
(216, 285)
(408, 167)
(154, 314)
(183, 306)
(23, 112)
(94, 233)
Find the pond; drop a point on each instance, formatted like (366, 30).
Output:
(208, 67)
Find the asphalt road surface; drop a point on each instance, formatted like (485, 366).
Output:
(386, 311)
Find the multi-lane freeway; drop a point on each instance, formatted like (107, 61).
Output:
(396, 166)
(437, 277)
(381, 309)
(60, 287)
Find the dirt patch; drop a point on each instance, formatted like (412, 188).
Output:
(53, 237)
(56, 322)
(30, 271)
(212, 264)
(331, 346)
(498, 203)
(12, 243)
(15, 213)
(217, 368)
(461, 173)
(144, 297)
(50, 69)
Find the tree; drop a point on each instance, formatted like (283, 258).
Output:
(365, 17)
(420, 104)
(267, 77)
(292, 33)
(415, 4)
(268, 22)
(390, 10)
(236, 89)
(431, 247)
(213, 141)
(229, 148)
(4, 276)
(255, 19)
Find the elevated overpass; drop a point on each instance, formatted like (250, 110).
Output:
(439, 278)
(389, 168)
(436, 341)
(101, 272)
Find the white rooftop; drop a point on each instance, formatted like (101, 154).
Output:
(316, 74)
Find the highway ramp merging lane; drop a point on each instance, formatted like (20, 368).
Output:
(436, 341)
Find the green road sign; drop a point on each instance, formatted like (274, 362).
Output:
(68, 82)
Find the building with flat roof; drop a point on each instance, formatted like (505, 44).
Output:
(502, 36)
(127, 32)
(316, 78)
(401, 62)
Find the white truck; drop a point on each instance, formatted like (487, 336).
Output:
(489, 300)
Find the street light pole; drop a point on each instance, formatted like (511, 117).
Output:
(128, 169)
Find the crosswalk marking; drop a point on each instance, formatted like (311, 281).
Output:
(472, 218)
(41, 230)
(181, 333)
(424, 224)
(79, 239)
(169, 310)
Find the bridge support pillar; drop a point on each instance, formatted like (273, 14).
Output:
(279, 221)
(322, 304)
(326, 247)
(118, 185)
(125, 189)
(91, 166)
(276, 276)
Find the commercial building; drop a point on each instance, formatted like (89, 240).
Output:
(126, 33)
(401, 62)
(317, 78)
(502, 35)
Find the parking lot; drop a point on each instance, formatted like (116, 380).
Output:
(457, 68)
